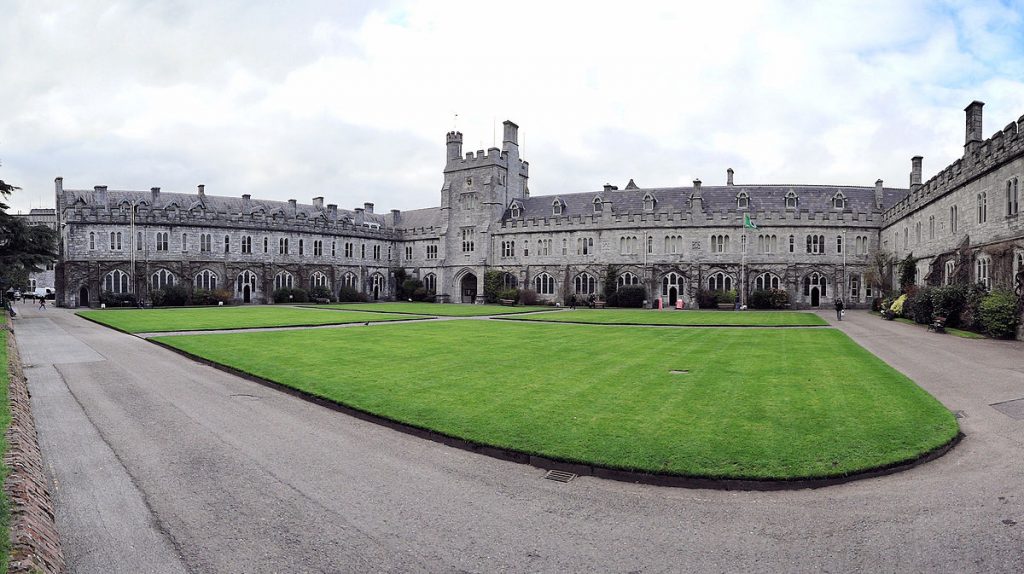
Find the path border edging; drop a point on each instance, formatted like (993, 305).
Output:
(35, 543)
(580, 469)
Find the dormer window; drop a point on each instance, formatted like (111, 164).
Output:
(742, 200)
(649, 202)
(839, 201)
(598, 205)
(557, 207)
(514, 210)
(791, 200)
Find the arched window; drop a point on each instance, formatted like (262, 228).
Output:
(544, 284)
(650, 244)
(742, 200)
(719, 282)
(206, 279)
(839, 201)
(948, 268)
(350, 280)
(766, 281)
(430, 283)
(627, 278)
(1012, 198)
(318, 279)
(585, 284)
(953, 218)
(116, 281)
(649, 202)
(815, 279)
(284, 280)
(719, 243)
(138, 242)
(161, 279)
(982, 271)
(227, 244)
(246, 279)
(509, 281)
(377, 285)
(514, 211)
(982, 207)
(557, 207)
(92, 240)
(598, 205)
(669, 281)
(791, 199)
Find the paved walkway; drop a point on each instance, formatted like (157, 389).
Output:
(163, 465)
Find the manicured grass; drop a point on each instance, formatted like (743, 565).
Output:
(755, 403)
(672, 317)
(208, 318)
(436, 309)
(5, 422)
(949, 330)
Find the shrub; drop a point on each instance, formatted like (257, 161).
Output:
(528, 297)
(629, 296)
(727, 296)
(177, 295)
(320, 292)
(408, 289)
(223, 296)
(290, 295)
(948, 302)
(897, 305)
(494, 282)
(907, 271)
(997, 314)
(351, 295)
(707, 299)
(512, 294)
(919, 306)
(768, 299)
(203, 297)
(156, 298)
(118, 299)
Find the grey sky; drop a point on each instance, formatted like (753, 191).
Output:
(351, 100)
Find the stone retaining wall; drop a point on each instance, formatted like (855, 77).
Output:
(35, 546)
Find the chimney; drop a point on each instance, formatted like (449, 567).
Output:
(358, 219)
(318, 202)
(728, 176)
(294, 207)
(915, 173)
(332, 211)
(154, 193)
(246, 203)
(511, 136)
(100, 194)
(202, 191)
(879, 196)
(368, 207)
(696, 201)
(396, 217)
(973, 135)
(58, 184)
(696, 187)
(454, 143)
(610, 187)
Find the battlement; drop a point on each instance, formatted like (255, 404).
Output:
(980, 157)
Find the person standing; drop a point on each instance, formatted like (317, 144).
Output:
(839, 309)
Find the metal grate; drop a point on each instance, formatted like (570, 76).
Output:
(559, 475)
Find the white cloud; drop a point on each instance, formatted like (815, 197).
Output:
(352, 100)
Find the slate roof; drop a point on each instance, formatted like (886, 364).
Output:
(218, 203)
(815, 198)
(416, 218)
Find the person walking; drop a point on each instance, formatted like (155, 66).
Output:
(42, 303)
(839, 309)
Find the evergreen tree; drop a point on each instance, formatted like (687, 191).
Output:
(24, 248)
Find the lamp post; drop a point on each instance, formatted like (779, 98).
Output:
(846, 247)
(131, 246)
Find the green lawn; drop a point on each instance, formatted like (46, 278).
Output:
(209, 318)
(791, 403)
(671, 317)
(436, 309)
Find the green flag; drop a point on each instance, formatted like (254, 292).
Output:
(747, 223)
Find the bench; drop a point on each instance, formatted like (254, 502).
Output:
(938, 325)
(507, 302)
(322, 300)
(599, 304)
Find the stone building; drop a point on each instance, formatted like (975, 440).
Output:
(47, 217)
(815, 241)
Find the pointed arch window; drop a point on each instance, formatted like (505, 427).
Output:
(514, 210)
(649, 202)
(627, 278)
(116, 281)
(544, 284)
(161, 279)
(206, 279)
(791, 199)
(557, 207)
(284, 280)
(719, 282)
(598, 205)
(585, 284)
(839, 201)
(430, 283)
(766, 281)
(742, 200)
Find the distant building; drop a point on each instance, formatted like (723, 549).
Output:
(47, 217)
(814, 241)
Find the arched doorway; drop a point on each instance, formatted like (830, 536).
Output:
(815, 296)
(83, 296)
(377, 286)
(468, 288)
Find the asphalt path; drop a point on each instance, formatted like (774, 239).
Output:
(163, 465)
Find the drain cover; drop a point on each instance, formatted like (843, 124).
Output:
(559, 475)
(1013, 409)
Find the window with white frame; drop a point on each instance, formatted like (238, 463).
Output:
(670, 280)
(816, 244)
(854, 287)
(408, 252)
(350, 280)
(629, 245)
(204, 242)
(430, 283)
(719, 281)
(557, 207)
(348, 249)
(982, 271)
(92, 240)
(282, 245)
(584, 246)
(766, 281)
(947, 272)
(318, 279)
(839, 201)
(116, 281)
(545, 247)
(719, 243)
(791, 200)
(508, 248)
(376, 252)
(767, 244)
(816, 280)
(247, 244)
(544, 284)
(598, 205)
(283, 280)
(468, 239)
(161, 279)
(526, 248)
(649, 202)
(1012, 198)
(184, 242)
(206, 279)
(627, 278)
(514, 211)
(585, 284)
(673, 244)
(115, 241)
(162, 240)
(742, 200)
(650, 244)
(246, 279)
(318, 248)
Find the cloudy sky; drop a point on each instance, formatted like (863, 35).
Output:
(351, 100)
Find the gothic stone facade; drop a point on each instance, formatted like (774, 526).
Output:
(814, 241)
